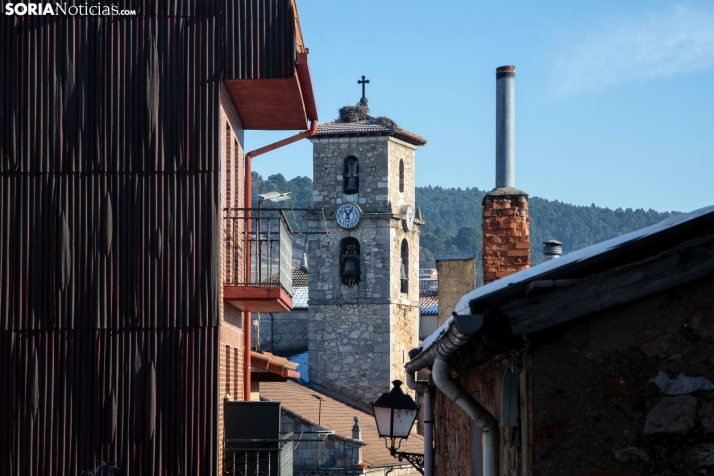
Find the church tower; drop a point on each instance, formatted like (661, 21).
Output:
(363, 312)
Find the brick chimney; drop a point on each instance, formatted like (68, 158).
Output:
(506, 236)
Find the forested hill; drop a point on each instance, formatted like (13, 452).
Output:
(453, 218)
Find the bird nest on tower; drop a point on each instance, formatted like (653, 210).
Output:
(353, 113)
(360, 112)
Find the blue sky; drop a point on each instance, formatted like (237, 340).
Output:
(614, 100)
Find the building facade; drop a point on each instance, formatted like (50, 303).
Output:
(363, 312)
(121, 146)
(596, 363)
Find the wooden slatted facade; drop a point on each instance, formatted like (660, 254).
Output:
(110, 242)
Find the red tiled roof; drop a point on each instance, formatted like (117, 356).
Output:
(370, 126)
(274, 364)
(339, 417)
(300, 275)
(428, 302)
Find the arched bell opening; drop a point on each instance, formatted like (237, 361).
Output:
(350, 272)
(404, 268)
(401, 176)
(351, 176)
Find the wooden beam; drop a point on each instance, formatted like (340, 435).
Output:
(540, 286)
(687, 262)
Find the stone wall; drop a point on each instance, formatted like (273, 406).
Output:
(456, 436)
(457, 276)
(599, 389)
(350, 349)
(506, 236)
(359, 335)
(626, 392)
(314, 454)
(284, 334)
(378, 172)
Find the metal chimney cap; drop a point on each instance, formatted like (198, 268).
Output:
(552, 249)
(506, 69)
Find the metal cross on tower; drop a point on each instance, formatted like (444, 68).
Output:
(363, 82)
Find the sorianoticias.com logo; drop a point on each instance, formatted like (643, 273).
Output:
(63, 9)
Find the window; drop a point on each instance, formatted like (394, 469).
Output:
(351, 176)
(350, 261)
(404, 268)
(401, 176)
(228, 370)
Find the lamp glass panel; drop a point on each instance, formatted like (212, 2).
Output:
(383, 415)
(403, 421)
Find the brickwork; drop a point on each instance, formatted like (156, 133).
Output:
(359, 335)
(230, 351)
(506, 236)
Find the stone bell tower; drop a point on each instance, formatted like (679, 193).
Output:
(363, 312)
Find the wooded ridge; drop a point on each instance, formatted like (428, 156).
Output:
(453, 218)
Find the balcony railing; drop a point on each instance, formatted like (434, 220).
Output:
(265, 235)
(259, 457)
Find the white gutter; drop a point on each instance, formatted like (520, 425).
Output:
(481, 416)
(428, 421)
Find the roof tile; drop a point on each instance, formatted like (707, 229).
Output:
(339, 417)
(371, 126)
(428, 302)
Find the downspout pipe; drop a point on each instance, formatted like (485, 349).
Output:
(487, 422)
(428, 421)
(455, 334)
(248, 201)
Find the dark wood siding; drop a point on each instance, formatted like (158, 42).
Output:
(108, 250)
(72, 399)
(260, 39)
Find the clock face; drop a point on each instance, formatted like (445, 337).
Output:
(348, 215)
(410, 218)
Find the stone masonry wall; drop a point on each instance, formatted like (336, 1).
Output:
(506, 236)
(314, 455)
(399, 150)
(375, 255)
(350, 349)
(596, 409)
(456, 278)
(359, 335)
(378, 172)
(284, 333)
(404, 329)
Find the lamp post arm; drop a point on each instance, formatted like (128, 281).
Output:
(415, 459)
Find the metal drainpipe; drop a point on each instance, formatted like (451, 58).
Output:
(428, 421)
(486, 421)
(248, 192)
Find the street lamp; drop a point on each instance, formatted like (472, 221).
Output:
(394, 413)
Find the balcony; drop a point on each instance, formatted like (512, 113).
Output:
(266, 71)
(264, 282)
(254, 443)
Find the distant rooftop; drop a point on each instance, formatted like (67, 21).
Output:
(428, 302)
(337, 416)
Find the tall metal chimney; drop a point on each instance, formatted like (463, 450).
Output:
(506, 126)
(505, 225)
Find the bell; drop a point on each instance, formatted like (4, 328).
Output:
(403, 273)
(351, 266)
(351, 186)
